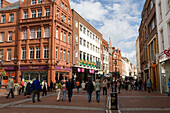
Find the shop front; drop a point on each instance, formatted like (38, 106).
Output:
(10, 72)
(62, 73)
(83, 74)
(31, 72)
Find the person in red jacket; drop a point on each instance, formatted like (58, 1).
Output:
(22, 85)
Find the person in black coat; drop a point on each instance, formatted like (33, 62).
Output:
(70, 86)
(28, 89)
(90, 89)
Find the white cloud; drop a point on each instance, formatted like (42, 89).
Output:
(131, 56)
(129, 45)
(90, 10)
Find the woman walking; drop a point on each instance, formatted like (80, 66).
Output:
(83, 85)
(28, 89)
(58, 90)
(148, 84)
(97, 89)
(64, 91)
(44, 88)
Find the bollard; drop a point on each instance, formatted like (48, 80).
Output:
(114, 104)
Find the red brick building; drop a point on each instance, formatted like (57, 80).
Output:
(36, 39)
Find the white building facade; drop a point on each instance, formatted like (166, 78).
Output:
(105, 61)
(163, 26)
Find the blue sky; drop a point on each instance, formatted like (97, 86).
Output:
(117, 19)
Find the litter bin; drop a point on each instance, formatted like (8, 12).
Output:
(114, 100)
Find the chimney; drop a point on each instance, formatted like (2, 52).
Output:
(4, 3)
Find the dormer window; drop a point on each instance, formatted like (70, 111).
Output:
(39, 1)
(33, 1)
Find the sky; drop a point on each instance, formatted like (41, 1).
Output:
(118, 20)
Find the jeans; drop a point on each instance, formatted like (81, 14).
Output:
(10, 92)
(118, 89)
(64, 94)
(104, 91)
(98, 96)
(89, 95)
(58, 93)
(69, 94)
(77, 89)
(38, 95)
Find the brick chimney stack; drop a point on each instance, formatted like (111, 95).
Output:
(4, 3)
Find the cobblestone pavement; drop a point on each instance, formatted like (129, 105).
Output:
(79, 104)
(143, 102)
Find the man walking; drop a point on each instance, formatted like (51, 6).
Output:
(36, 90)
(90, 89)
(78, 86)
(169, 87)
(97, 89)
(44, 88)
(69, 86)
(11, 88)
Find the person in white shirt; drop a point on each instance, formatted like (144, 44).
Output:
(44, 88)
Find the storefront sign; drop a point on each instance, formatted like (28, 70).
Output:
(33, 67)
(167, 52)
(63, 68)
(91, 71)
(80, 70)
(8, 68)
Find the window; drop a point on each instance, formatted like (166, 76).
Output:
(153, 24)
(46, 32)
(10, 36)
(39, 13)
(11, 18)
(160, 12)
(61, 54)
(151, 5)
(39, 1)
(115, 56)
(76, 38)
(61, 16)
(80, 41)
(69, 21)
(87, 57)
(84, 56)
(68, 39)
(25, 15)
(76, 54)
(3, 18)
(56, 53)
(62, 5)
(90, 35)
(45, 51)
(39, 33)
(93, 37)
(31, 52)
(64, 37)
(76, 23)
(61, 36)
(91, 46)
(80, 55)
(56, 33)
(33, 1)
(9, 55)
(64, 18)
(37, 52)
(33, 14)
(81, 27)
(162, 40)
(23, 53)
(32, 34)
(24, 34)
(65, 7)
(84, 43)
(87, 32)
(47, 12)
(87, 44)
(57, 13)
(84, 30)
(1, 54)
(64, 55)
(68, 57)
